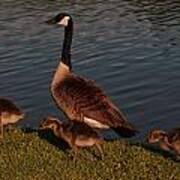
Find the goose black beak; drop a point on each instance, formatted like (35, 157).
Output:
(51, 21)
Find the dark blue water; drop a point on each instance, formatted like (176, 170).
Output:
(131, 49)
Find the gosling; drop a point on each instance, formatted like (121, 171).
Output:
(168, 141)
(76, 134)
(9, 114)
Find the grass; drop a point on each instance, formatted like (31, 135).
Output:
(28, 154)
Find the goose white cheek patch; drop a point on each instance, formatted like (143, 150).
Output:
(64, 21)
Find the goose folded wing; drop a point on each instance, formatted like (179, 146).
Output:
(90, 101)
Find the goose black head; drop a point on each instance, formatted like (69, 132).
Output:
(61, 19)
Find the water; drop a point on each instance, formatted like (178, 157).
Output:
(131, 49)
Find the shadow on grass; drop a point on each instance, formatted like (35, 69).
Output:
(49, 137)
(155, 149)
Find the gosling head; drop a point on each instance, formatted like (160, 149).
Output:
(50, 123)
(155, 136)
(61, 19)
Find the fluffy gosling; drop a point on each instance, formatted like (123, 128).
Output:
(76, 134)
(9, 114)
(167, 140)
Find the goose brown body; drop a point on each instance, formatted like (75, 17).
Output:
(81, 99)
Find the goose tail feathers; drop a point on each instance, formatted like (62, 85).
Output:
(126, 130)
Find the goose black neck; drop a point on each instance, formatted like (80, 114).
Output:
(66, 51)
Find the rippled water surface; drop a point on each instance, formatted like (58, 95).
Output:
(131, 49)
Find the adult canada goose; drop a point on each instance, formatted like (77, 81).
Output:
(76, 134)
(167, 140)
(9, 114)
(79, 98)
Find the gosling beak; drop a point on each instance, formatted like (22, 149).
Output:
(41, 127)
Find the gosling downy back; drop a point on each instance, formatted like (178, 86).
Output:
(9, 111)
(9, 114)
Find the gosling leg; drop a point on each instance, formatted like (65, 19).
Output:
(98, 146)
(177, 152)
(74, 148)
(1, 128)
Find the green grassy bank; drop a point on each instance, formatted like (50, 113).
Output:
(32, 155)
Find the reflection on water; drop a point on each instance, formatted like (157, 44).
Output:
(130, 48)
